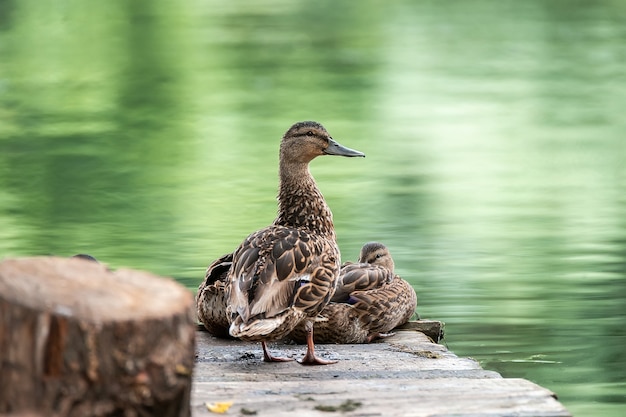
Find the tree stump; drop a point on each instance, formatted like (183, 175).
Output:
(79, 340)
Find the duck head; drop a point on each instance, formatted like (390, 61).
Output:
(307, 140)
(377, 254)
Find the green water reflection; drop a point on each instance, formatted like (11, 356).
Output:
(146, 134)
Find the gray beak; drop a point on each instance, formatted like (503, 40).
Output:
(335, 148)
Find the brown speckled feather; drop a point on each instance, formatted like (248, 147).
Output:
(373, 302)
(374, 268)
(211, 300)
(282, 268)
(360, 276)
(374, 313)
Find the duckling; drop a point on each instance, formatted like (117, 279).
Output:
(286, 273)
(369, 302)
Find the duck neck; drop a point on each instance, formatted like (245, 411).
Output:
(300, 202)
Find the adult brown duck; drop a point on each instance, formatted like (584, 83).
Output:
(286, 273)
(369, 302)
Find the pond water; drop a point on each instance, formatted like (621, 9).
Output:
(146, 134)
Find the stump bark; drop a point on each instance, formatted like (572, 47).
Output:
(79, 340)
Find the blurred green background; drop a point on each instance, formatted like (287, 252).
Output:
(146, 133)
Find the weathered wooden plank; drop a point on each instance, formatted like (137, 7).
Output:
(373, 397)
(405, 375)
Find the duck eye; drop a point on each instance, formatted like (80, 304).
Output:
(309, 133)
(379, 255)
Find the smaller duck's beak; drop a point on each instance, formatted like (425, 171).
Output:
(335, 148)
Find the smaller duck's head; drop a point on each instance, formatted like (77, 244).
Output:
(307, 140)
(376, 254)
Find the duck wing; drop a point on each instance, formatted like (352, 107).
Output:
(359, 277)
(278, 268)
(382, 309)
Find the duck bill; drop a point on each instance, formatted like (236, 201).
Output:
(335, 148)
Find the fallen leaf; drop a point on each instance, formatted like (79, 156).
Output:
(219, 408)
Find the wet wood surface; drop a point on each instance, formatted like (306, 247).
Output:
(404, 375)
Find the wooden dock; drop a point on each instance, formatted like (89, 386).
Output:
(77, 339)
(404, 375)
